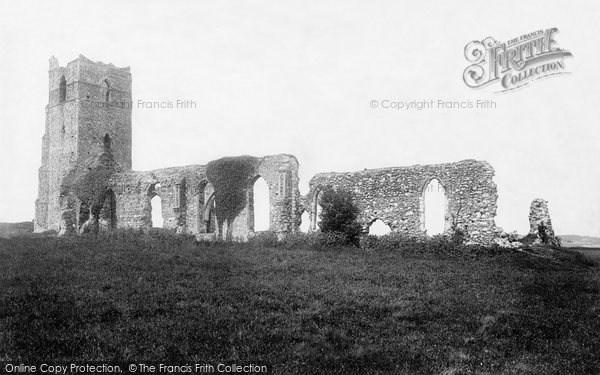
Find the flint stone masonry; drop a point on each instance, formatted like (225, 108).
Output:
(101, 194)
(86, 182)
(187, 197)
(538, 214)
(77, 122)
(396, 196)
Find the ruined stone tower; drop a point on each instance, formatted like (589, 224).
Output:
(88, 112)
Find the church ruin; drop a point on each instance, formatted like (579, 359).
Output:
(86, 180)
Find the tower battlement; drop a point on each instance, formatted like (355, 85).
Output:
(86, 79)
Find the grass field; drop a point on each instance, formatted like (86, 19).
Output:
(302, 311)
(592, 253)
(15, 229)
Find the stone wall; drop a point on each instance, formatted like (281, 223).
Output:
(187, 195)
(395, 196)
(539, 214)
(86, 181)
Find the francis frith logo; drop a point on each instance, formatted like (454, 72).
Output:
(514, 63)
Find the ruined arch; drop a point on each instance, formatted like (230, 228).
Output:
(259, 204)
(156, 206)
(210, 215)
(433, 210)
(157, 218)
(304, 221)
(379, 228)
(108, 212)
(83, 214)
(316, 208)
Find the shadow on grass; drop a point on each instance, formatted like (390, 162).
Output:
(554, 328)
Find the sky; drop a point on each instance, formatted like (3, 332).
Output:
(299, 77)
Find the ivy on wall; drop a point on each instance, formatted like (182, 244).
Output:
(89, 181)
(230, 177)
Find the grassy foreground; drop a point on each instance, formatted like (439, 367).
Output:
(303, 311)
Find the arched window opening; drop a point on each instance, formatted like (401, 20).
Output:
(156, 209)
(210, 215)
(62, 90)
(434, 210)
(260, 205)
(379, 228)
(305, 222)
(108, 213)
(107, 142)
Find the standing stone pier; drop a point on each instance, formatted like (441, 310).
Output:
(539, 217)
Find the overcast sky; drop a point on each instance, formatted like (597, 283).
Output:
(298, 77)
